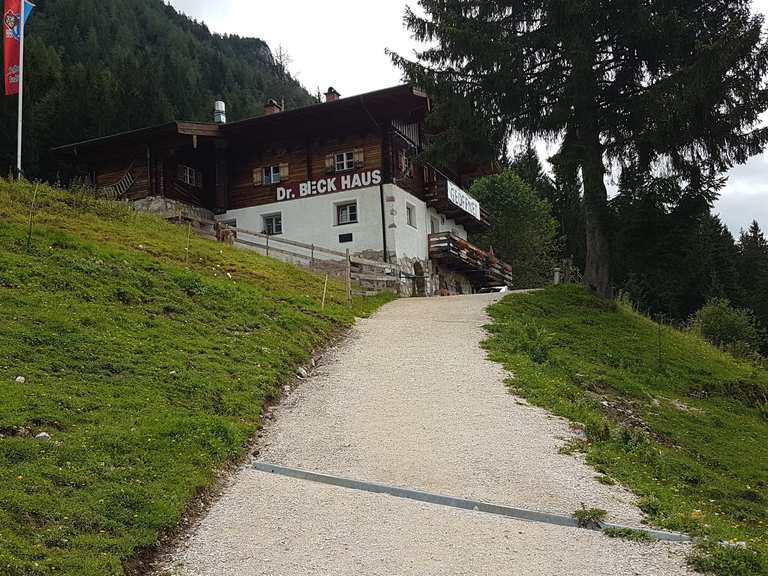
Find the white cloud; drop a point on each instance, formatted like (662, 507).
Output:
(341, 43)
(746, 196)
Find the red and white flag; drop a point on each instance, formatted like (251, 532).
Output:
(12, 31)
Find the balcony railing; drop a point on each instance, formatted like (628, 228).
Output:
(482, 268)
(437, 196)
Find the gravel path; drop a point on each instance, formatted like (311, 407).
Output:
(410, 399)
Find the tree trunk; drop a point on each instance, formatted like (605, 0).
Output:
(597, 270)
(583, 54)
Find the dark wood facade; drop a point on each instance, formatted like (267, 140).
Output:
(216, 166)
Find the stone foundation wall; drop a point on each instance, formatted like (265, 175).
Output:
(451, 282)
(427, 278)
(172, 208)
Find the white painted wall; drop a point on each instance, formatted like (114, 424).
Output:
(313, 220)
(410, 242)
(413, 242)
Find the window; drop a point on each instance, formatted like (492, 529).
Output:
(410, 215)
(271, 175)
(273, 224)
(190, 176)
(346, 213)
(345, 161)
(345, 238)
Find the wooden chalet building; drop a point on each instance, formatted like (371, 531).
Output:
(341, 174)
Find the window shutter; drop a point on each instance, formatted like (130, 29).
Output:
(284, 172)
(330, 163)
(258, 176)
(199, 178)
(359, 156)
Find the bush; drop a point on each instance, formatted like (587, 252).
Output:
(732, 329)
(523, 233)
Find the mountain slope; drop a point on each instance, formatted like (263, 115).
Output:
(95, 68)
(147, 373)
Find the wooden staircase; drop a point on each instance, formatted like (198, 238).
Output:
(120, 189)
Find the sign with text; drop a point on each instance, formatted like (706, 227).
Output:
(458, 197)
(330, 185)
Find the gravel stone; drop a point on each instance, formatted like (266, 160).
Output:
(410, 399)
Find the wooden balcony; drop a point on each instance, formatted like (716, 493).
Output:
(436, 196)
(482, 268)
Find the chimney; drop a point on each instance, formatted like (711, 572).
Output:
(272, 107)
(219, 112)
(331, 95)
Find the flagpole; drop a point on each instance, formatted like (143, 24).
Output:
(21, 89)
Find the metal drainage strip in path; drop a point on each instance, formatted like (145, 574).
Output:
(474, 505)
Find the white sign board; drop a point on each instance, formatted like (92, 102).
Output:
(463, 200)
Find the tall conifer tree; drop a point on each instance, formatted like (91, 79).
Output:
(753, 271)
(648, 82)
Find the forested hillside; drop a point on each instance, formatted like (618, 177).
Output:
(95, 68)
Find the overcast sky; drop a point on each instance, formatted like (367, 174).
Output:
(341, 43)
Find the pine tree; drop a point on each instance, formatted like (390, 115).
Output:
(462, 141)
(753, 272)
(566, 198)
(670, 253)
(528, 166)
(645, 81)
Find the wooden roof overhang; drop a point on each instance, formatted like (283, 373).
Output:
(171, 133)
(366, 112)
(371, 111)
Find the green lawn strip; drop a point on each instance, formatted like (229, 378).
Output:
(148, 375)
(674, 419)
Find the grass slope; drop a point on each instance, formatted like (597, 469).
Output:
(678, 421)
(149, 374)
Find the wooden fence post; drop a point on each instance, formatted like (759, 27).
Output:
(32, 213)
(267, 244)
(189, 238)
(349, 279)
(325, 291)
